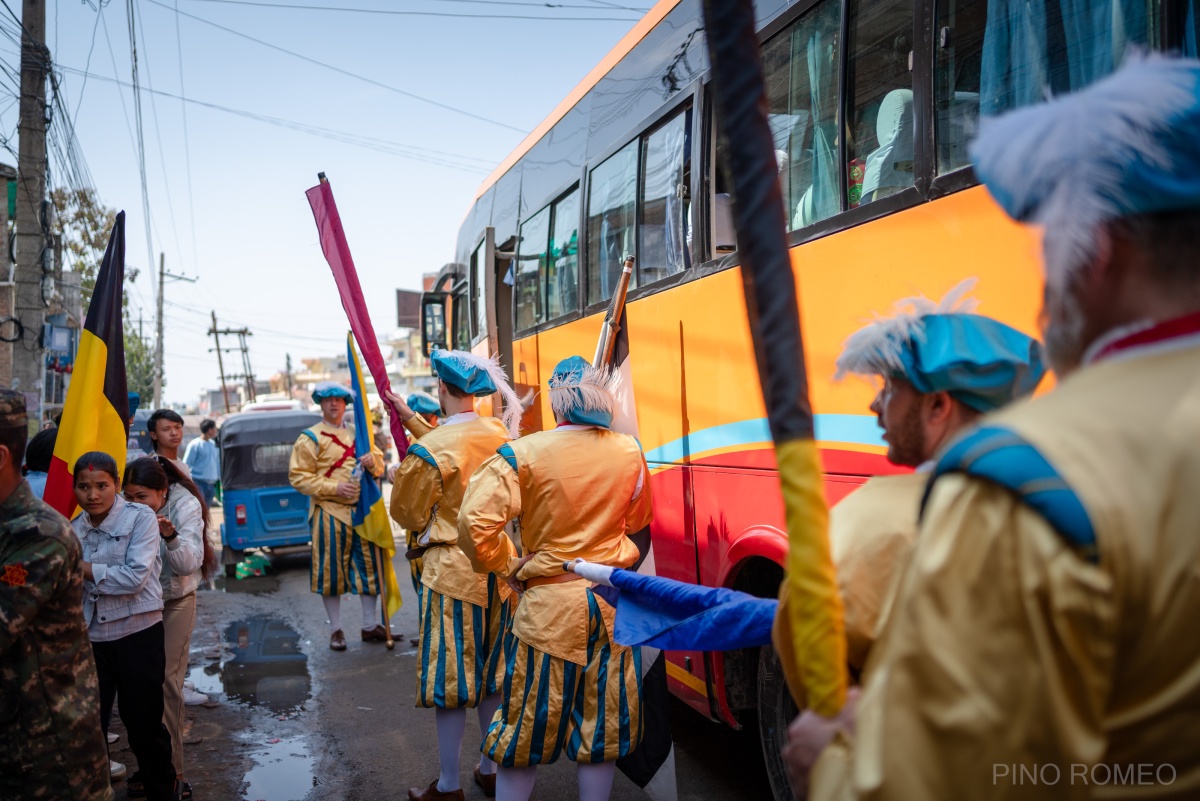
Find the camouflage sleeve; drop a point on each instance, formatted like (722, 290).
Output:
(32, 575)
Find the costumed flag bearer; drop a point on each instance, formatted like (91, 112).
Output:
(1047, 619)
(420, 412)
(941, 368)
(463, 614)
(580, 490)
(323, 467)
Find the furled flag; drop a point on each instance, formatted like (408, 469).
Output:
(651, 765)
(809, 634)
(96, 414)
(677, 616)
(370, 517)
(337, 253)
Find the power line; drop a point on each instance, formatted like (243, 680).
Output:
(439, 158)
(141, 139)
(88, 63)
(187, 148)
(393, 12)
(341, 71)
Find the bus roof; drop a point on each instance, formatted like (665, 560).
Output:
(622, 48)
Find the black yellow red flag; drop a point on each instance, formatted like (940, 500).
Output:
(96, 414)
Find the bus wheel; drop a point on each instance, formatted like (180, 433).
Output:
(776, 710)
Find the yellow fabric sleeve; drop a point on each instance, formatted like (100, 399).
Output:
(417, 426)
(303, 473)
(997, 656)
(416, 489)
(808, 631)
(493, 498)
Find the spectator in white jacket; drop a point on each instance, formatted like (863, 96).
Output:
(187, 557)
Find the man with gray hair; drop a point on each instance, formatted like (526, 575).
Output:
(1047, 620)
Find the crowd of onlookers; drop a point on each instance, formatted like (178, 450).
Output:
(141, 548)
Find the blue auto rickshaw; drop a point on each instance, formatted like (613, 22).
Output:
(261, 507)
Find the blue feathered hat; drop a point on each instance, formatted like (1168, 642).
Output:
(943, 347)
(423, 403)
(1128, 144)
(478, 376)
(329, 389)
(581, 393)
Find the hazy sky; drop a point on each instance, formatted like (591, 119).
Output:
(244, 226)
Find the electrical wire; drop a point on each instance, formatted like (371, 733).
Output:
(339, 70)
(141, 140)
(393, 12)
(414, 152)
(187, 148)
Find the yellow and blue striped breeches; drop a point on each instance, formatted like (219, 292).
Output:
(549, 705)
(459, 653)
(341, 560)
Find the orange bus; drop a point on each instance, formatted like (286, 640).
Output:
(872, 104)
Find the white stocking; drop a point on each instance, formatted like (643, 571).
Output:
(487, 709)
(333, 608)
(595, 780)
(451, 723)
(370, 619)
(515, 784)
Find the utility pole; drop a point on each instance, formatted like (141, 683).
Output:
(288, 376)
(247, 375)
(216, 335)
(163, 275)
(33, 277)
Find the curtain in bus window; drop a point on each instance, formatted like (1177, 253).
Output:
(802, 71)
(562, 287)
(661, 232)
(612, 205)
(1033, 49)
(477, 261)
(1189, 31)
(531, 261)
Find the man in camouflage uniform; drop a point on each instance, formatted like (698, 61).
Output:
(51, 744)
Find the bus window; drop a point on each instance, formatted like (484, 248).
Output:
(531, 256)
(612, 201)
(562, 268)
(462, 322)
(801, 65)
(880, 103)
(479, 290)
(997, 55)
(666, 178)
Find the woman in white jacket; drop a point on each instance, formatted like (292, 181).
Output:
(187, 557)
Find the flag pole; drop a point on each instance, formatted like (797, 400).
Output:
(612, 320)
(812, 641)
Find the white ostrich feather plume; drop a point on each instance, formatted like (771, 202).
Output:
(491, 365)
(595, 389)
(878, 348)
(1063, 164)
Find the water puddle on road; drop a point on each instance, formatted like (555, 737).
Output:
(283, 772)
(264, 667)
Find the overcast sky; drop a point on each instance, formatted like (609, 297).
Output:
(243, 226)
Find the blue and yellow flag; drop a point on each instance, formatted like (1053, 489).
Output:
(370, 518)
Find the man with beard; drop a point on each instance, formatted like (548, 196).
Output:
(940, 368)
(1046, 622)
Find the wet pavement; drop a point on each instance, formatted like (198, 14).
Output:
(288, 719)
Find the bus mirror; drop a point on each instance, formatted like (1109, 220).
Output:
(433, 322)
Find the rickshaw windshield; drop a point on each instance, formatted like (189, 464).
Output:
(256, 447)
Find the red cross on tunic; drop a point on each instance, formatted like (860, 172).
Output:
(348, 453)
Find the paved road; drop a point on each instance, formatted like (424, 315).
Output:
(291, 719)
